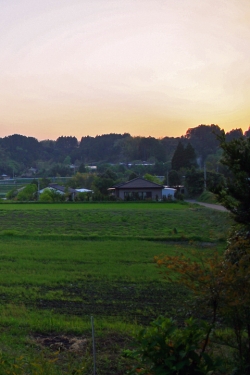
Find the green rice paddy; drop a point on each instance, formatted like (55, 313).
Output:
(142, 221)
(60, 264)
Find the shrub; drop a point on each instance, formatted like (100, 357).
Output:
(165, 349)
(49, 195)
(28, 193)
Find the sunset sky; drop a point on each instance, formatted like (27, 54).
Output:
(144, 67)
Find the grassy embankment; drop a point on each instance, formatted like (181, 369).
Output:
(208, 197)
(62, 263)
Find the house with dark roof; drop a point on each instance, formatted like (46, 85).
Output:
(137, 189)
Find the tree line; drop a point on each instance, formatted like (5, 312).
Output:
(18, 152)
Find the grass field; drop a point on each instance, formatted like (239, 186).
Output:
(62, 263)
(112, 220)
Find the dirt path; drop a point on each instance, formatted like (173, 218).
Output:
(208, 205)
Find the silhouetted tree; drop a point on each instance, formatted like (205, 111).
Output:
(190, 157)
(65, 146)
(194, 181)
(235, 193)
(132, 176)
(247, 132)
(21, 148)
(173, 178)
(82, 168)
(178, 159)
(234, 134)
(203, 139)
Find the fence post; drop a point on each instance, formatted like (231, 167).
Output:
(93, 344)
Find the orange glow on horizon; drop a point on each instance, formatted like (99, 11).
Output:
(148, 68)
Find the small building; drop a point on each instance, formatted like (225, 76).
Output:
(168, 193)
(137, 189)
(83, 190)
(32, 170)
(61, 190)
(5, 177)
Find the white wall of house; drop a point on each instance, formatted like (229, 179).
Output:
(166, 192)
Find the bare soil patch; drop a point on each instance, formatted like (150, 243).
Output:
(62, 342)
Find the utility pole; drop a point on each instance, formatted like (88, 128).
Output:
(93, 344)
(205, 177)
(38, 189)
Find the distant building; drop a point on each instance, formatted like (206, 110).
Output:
(5, 177)
(84, 190)
(168, 192)
(32, 170)
(137, 189)
(61, 190)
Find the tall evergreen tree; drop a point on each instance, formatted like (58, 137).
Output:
(178, 159)
(190, 156)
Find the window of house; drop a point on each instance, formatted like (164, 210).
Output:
(137, 195)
